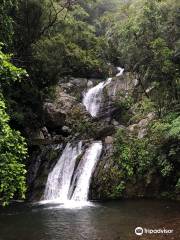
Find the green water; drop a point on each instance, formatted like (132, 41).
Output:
(101, 221)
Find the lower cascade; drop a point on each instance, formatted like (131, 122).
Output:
(66, 176)
(59, 179)
(88, 164)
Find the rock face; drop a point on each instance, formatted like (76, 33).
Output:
(42, 160)
(73, 86)
(53, 116)
(124, 84)
(107, 179)
(56, 112)
(65, 115)
(66, 120)
(140, 128)
(103, 181)
(106, 182)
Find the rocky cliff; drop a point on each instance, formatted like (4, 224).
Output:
(66, 120)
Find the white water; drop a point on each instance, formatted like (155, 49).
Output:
(59, 179)
(68, 185)
(89, 162)
(93, 98)
(121, 70)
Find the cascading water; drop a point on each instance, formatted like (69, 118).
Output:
(120, 71)
(68, 182)
(88, 164)
(59, 179)
(93, 98)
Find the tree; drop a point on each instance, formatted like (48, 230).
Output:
(146, 38)
(6, 21)
(13, 149)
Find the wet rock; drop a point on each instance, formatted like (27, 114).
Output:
(104, 130)
(105, 177)
(58, 112)
(108, 177)
(89, 84)
(53, 115)
(41, 162)
(81, 82)
(124, 84)
(57, 138)
(74, 86)
(66, 129)
(45, 132)
(109, 140)
(115, 123)
(37, 135)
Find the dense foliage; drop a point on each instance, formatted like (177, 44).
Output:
(146, 34)
(13, 148)
(53, 39)
(50, 39)
(157, 153)
(143, 36)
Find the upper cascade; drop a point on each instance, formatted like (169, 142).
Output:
(120, 71)
(93, 97)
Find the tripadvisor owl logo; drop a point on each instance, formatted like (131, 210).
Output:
(139, 231)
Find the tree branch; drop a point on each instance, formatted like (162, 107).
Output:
(53, 19)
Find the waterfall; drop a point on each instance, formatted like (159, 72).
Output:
(88, 165)
(60, 179)
(69, 181)
(120, 71)
(93, 98)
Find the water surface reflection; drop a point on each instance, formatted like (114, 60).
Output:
(101, 221)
